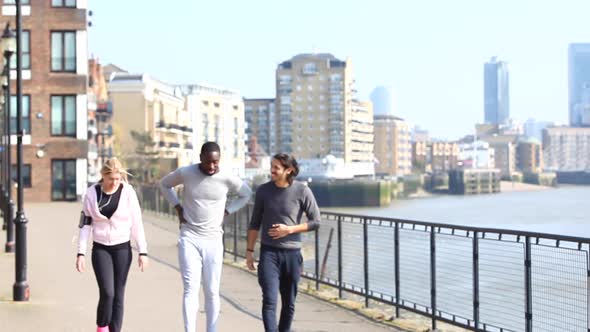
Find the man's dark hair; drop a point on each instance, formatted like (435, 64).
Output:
(210, 147)
(288, 161)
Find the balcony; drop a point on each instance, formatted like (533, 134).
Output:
(92, 130)
(173, 126)
(176, 128)
(104, 107)
(174, 145)
(92, 151)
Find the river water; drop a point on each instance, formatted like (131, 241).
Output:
(564, 210)
(559, 281)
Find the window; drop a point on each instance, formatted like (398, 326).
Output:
(63, 179)
(26, 59)
(25, 117)
(205, 121)
(63, 115)
(310, 68)
(63, 51)
(26, 173)
(63, 3)
(217, 128)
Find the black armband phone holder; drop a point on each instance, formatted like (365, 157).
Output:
(84, 220)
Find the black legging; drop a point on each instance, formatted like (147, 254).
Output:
(111, 267)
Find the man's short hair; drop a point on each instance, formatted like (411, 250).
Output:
(210, 147)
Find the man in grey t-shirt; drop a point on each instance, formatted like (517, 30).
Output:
(200, 244)
(279, 210)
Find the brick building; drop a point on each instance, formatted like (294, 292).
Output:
(54, 72)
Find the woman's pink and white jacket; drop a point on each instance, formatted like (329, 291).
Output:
(124, 224)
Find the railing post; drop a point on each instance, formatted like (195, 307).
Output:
(224, 238)
(340, 283)
(317, 260)
(528, 277)
(433, 276)
(588, 288)
(475, 280)
(326, 254)
(366, 259)
(397, 269)
(235, 237)
(157, 199)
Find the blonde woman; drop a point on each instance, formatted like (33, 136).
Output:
(114, 217)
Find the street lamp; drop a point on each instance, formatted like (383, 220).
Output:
(8, 205)
(2, 157)
(20, 289)
(9, 47)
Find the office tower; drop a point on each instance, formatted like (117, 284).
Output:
(382, 100)
(579, 84)
(496, 94)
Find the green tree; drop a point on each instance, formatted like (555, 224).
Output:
(418, 167)
(143, 164)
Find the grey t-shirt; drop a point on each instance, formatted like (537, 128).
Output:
(204, 199)
(275, 205)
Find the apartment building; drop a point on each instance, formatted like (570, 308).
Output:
(505, 158)
(393, 147)
(260, 118)
(217, 114)
(314, 103)
(362, 132)
(146, 105)
(529, 156)
(100, 130)
(566, 149)
(54, 100)
(420, 156)
(476, 154)
(443, 156)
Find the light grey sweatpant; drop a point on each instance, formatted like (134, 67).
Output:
(200, 258)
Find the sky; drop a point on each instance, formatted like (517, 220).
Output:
(430, 53)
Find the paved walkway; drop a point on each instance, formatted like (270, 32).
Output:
(63, 300)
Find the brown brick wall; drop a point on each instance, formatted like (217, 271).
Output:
(40, 87)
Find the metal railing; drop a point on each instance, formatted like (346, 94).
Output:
(481, 279)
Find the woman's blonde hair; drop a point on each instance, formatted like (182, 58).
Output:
(113, 165)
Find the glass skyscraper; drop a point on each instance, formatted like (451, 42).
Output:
(496, 95)
(579, 85)
(382, 100)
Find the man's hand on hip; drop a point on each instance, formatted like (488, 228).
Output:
(180, 212)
